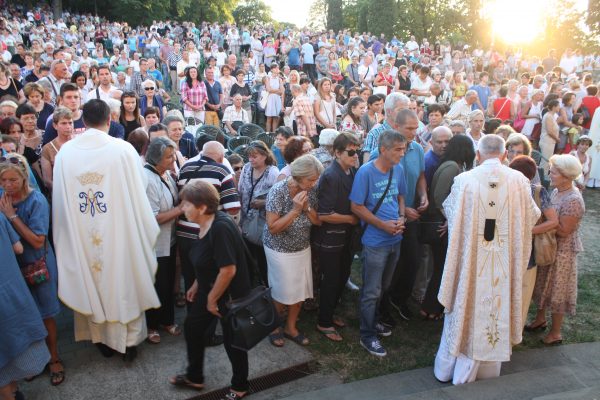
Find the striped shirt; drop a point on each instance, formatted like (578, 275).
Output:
(220, 177)
(173, 59)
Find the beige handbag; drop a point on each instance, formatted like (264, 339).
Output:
(544, 244)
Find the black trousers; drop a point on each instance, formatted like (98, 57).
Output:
(197, 323)
(408, 264)
(431, 305)
(335, 270)
(187, 271)
(258, 252)
(163, 284)
(311, 71)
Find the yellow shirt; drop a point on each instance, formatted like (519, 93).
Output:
(343, 65)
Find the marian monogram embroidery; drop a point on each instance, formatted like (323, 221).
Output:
(92, 203)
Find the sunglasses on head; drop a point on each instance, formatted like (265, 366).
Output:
(351, 153)
(11, 160)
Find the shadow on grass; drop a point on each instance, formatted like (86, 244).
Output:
(413, 344)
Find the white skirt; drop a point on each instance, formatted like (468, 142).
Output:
(290, 275)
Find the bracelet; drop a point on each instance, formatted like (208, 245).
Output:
(12, 217)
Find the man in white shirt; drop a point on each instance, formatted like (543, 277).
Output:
(366, 72)
(235, 113)
(462, 108)
(412, 45)
(105, 90)
(308, 56)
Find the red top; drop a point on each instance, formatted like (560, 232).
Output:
(502, 108)
(591, 102)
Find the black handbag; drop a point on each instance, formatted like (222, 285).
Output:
(252, 318)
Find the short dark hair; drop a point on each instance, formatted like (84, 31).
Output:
(156, 128)
(284, 131)
(524, 164)
(343, 140)
(293, 148)
(389, 137)
(592, 90)
(96, 113)
(25, 109)
(68, 87)
(436, 108)
(152, 110)
(201, 193)
(202, 140)
(372, 99)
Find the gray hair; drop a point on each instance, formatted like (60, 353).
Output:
(61, 113)
(475, 113)
(114, 105)
(394, 100)
(389, 138)
(174, 113)
(440, 130)
(403, 116)
(470, 93)
(172, 118)
(456, 122)
(305, 167)
(491, 145)
(156, 149)
(567, 165)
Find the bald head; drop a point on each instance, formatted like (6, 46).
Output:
(440, 137)
(213, 150)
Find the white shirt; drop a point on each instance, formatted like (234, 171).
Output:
(367, 74)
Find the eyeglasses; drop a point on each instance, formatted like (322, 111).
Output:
(351, 152)
(149, 88)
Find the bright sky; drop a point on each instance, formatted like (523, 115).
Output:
(295, 11)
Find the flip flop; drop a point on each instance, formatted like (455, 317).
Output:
(556, 342)
(337, 321)
(539, 327)
(275, 337)
(58, 377)
(173, 330)
(298, 339)
(153, 336)
(330, 333)
(182, 381)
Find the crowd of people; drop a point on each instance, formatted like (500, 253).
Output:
(381, 150)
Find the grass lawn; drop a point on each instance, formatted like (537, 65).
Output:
(413, 344)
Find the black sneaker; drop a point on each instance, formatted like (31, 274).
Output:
(383, 330)
(105, 350)
(387, 321)
(402, 309)
(130, 354)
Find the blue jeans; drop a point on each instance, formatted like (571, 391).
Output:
(379, 264)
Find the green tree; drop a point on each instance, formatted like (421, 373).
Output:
(317, 15)
(251, 12)
(335, 15)
(593, 15)
(381, 17)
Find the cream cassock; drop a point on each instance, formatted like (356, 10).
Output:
(104, 233)
(481, 284)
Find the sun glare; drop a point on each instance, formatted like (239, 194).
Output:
(517, 21)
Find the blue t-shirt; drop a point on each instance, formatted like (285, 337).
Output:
(413, 163)
(368, 187)
(294, 56)
(213, 92)
(484, 94)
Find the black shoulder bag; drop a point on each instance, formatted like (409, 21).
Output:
(252, 317)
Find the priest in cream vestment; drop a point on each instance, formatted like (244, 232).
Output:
(490, 214)
(104, 233)
(594, 151)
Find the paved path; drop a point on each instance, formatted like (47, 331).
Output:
(570, 372)
(91, 376)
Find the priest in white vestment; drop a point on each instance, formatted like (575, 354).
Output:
(490, 214)
(594, 151)
(104, 235)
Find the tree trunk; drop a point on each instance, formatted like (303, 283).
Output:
(57, 9)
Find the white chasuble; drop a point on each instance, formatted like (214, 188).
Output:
(104, 232)
(594, 150)
(482, 279)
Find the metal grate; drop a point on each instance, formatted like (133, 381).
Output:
(263, 382)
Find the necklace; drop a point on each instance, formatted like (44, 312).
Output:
(564, 190)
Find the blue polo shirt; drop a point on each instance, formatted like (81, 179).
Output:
(413, 163)
(484, 93)
(432, 162)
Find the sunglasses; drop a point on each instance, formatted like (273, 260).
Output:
(11, 160)
(351, 153)
(237, 168)
(149, 88)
